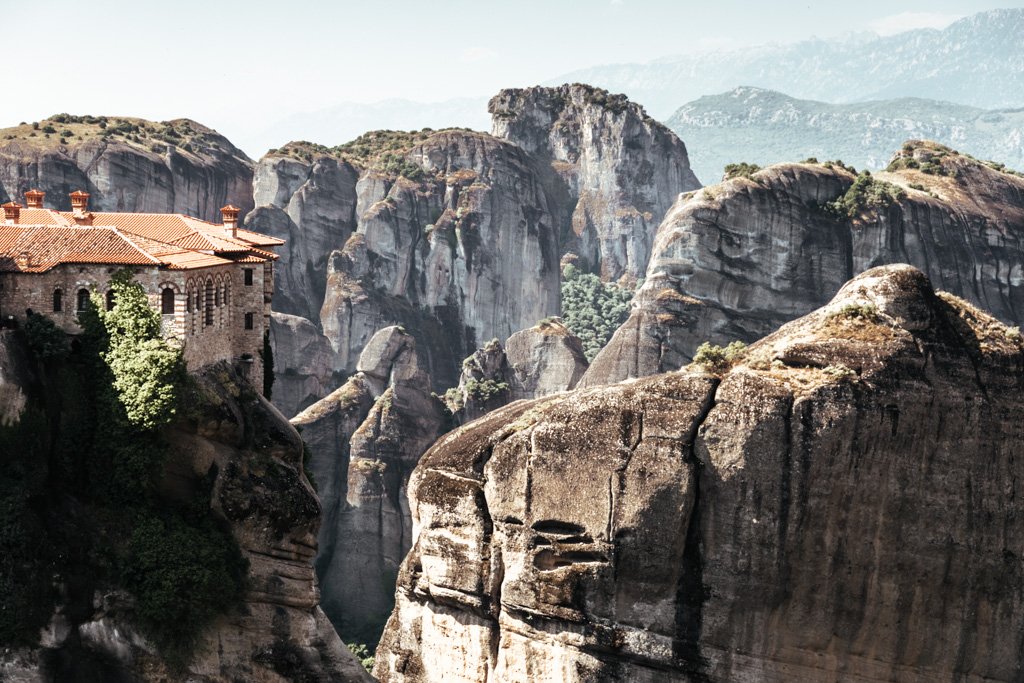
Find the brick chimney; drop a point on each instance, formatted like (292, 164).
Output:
(230, 214)
(34, 198)
(12, 211)
(80, 207)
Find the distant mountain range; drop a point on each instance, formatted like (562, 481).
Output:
(977, 61)
(763, 127)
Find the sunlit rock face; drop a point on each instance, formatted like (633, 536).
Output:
(612, 171)
(735, 261)
(834, 505)
(195, 173)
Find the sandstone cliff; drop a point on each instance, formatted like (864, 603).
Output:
(734, 261)
(126, 164)
(611, 170)
(364, 440)
(233, 461)
(838, 505)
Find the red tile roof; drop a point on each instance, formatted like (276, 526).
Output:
(172, 241)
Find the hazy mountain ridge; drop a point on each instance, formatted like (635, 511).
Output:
(978, 60)
(765, 127)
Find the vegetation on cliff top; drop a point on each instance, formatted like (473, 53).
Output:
(865, 193)
(158, 137)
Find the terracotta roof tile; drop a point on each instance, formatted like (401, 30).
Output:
(171, 240)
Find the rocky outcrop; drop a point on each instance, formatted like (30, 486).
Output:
(611, 170)
(234, 458)
(364, 440)
(126, 164)
(735, 261)
(839, 504)
(544, 359)
(471, 245)
(302, 363)
(311, 204)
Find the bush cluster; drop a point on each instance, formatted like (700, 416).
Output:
(740, 170)
(717, 358)
(865, 193)
(591, 309)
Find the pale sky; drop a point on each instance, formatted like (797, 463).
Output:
(237, 65)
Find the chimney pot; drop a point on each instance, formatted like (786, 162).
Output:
(80, 207)
(12, 211)
(34, 198)
(230, 215)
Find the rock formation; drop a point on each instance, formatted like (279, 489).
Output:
(611, 170)
(302, 362)
(838, 505)
(126, 164)
(364, 440)
(735, 261)
(311, 204)
(232, 444)
(544, 359)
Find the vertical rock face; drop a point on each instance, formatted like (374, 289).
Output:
(734, 261)
(612, 171)
(834, 506)
(302, 361)
(544, 359)
(364, 439)
(176, 166)
(237, 447)
(311, 204)
(471, 245)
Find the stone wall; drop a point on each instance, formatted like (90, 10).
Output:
(206, 339)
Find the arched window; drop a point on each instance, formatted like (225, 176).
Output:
(208, 307)
(58, 301)
(82, 300)
(216, 296)
(167, 301)
(188, 301)
(227, 293)
(110, 299)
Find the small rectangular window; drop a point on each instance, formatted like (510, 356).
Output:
(248, 276)
(249, 321)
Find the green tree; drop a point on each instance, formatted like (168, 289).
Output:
(591, 309)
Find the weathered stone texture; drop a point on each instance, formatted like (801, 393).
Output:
(839, 505)
(735, 261)
(364, 440)
(122, 176)
(302, 363)
(611, 171)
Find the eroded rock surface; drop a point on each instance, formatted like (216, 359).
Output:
(177, 166)
(838, 505)
(735, 261)
(364, 439)
(612, 171)
(238, 450)
(302, 363)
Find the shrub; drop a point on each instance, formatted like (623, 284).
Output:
(485, 389)
(45, 339)
(866, 312)
(740, 170)
(717, 358)
(48, 129)
(865, 193)
(182, 575)
(363, 654)
(591, 309)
